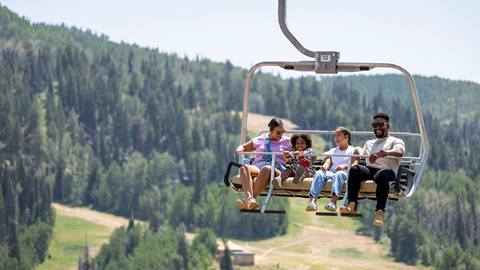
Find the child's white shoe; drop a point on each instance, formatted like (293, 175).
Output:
(311, 206)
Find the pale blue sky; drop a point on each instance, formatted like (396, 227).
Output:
(426, 37)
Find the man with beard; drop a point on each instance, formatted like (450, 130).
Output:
(378, 167)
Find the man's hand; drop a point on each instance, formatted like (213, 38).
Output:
(372, 158)
(341, 168)
(382, 154)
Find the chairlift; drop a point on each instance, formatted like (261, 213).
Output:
(326, 62)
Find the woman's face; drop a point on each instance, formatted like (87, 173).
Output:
(276, 133)
(340, 138)
(300, 144)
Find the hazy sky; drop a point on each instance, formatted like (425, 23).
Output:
(426, 37)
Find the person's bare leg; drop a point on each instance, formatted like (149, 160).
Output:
(263, 180)
(246, 173)
(334, 198)
(285, 174)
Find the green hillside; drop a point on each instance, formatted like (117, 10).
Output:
(446, 99)
(132, 131)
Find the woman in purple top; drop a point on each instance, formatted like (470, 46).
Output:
(274, 141)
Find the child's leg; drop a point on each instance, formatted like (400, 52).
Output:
(285, 174)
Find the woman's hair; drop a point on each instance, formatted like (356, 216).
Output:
(275, 122)
(346, 132)
(305, 137)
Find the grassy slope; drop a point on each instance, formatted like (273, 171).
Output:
(320, 243)
(311, 242)
(71, 226)
(69, 240)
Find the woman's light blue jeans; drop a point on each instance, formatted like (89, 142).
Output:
(321, 177)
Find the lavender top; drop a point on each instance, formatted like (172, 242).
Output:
(281, 145)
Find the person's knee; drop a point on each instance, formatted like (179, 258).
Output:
(244, 170)
(384, 176)
(265, 170)
(354, 171)
(381, 183)
(319, 176)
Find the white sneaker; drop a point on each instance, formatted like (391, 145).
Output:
(331, 207)
(311, 206)
(277, 182)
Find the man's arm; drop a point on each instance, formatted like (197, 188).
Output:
(398, 150)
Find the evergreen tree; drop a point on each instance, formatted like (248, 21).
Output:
(226, 261)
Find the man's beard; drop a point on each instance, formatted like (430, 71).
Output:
(382, 134)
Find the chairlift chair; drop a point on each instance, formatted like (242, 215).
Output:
(326, 62)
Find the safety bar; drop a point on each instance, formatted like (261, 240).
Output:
(360, 133)
(324, 155)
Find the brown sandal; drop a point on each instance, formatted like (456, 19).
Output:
(251, 203)
(241, 204)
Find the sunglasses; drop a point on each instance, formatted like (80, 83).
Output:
(378, 125)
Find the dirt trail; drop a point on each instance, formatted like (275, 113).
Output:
(317, 245)
(257, 122)
(320, 246)
(105, 219)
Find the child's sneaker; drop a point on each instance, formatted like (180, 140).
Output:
(331, 207)
(298, 175)
(277, 182)
(311, 206)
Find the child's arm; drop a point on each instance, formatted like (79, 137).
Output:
(307, 153)
(356, 160)
(326, 164)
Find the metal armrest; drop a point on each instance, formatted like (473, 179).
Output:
(226, 181)
(399, 175)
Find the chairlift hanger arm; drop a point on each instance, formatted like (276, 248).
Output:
(282, 21)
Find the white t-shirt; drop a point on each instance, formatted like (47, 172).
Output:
(388, 143)
(340, 160)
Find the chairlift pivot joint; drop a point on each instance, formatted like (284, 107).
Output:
(326, 62)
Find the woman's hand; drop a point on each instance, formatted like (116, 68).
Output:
(239, 150)
(341, 167)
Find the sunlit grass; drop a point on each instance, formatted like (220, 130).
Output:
(346, 252)
(68, 241)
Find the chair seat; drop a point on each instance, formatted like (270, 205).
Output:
(289, 189)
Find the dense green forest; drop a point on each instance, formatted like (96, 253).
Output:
(134, 131)
(130, 248)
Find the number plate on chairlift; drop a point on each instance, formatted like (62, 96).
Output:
(326, 62)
